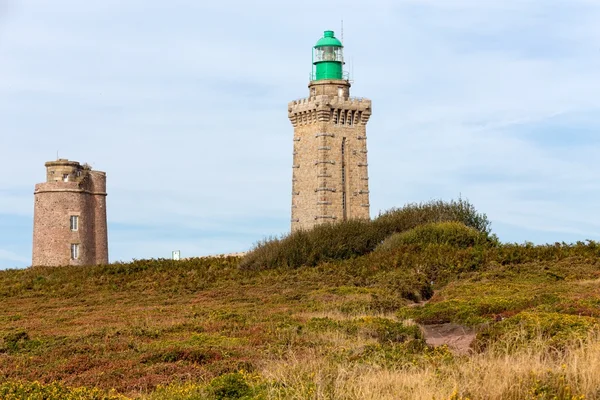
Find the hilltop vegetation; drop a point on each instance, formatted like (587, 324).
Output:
(356, 238)
(333, 313)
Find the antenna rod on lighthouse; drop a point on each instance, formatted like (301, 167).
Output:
(342, 33)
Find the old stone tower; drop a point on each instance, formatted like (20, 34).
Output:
(69, 221)
(330, 180)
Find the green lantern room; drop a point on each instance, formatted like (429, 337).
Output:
(328, 58)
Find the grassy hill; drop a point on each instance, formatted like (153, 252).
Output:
(333, 314)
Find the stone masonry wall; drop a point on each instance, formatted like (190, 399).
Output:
(71, 189)
(330, 174)
(98, 197)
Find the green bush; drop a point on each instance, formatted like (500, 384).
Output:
(230, 386)
(451, 233)
(415, 214)
(350, 239)
(325, 242)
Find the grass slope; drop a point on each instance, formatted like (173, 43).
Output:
(343, 329)
(303, 332)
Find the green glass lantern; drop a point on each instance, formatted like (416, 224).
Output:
(328, 58)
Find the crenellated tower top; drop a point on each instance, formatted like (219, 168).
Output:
(63, 170)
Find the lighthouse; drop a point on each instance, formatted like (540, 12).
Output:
(330, 180)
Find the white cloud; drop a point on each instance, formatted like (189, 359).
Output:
(183, 104)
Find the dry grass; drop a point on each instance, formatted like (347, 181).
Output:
(532, 373)
(159, 329)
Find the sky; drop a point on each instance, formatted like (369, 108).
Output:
(183, 103)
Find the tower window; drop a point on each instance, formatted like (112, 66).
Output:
(74, 251)
(74, 223)
(65, 177)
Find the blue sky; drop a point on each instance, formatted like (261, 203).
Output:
(184, 105)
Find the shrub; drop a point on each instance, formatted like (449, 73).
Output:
(230, 386)
(349, 239)
(415, 214)
(324, 242)
(451, 233)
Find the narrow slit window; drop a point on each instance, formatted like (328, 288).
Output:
(344, 205)
(74, 251)
(74, 223)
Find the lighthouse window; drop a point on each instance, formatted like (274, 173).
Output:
(65, 177)
(74, 222)
(74, 251)
(328, 53)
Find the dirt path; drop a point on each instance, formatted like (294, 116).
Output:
(457, 337)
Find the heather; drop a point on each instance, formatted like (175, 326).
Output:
(338, 313)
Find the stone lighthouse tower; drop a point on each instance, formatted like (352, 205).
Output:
(330, 180)
(69, 221)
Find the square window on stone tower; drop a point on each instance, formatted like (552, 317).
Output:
(65, 177)
(74, 222)
(74, 251)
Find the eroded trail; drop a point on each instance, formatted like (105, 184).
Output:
(457, 337)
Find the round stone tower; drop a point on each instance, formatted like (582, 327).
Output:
(330, 180)
(69, 222)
